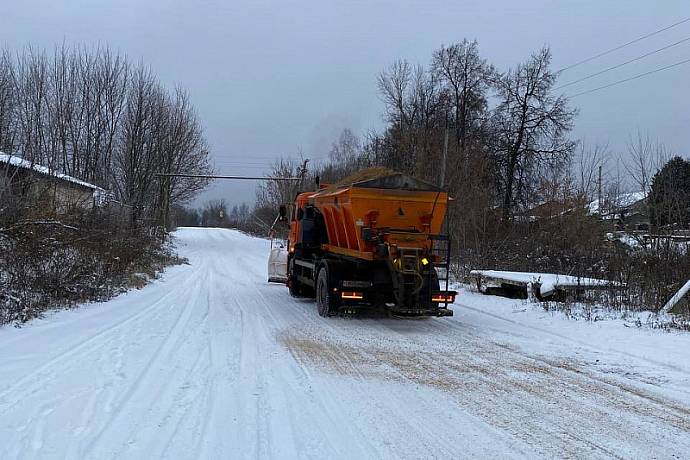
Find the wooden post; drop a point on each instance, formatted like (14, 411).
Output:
(443, 160)
(675, 300)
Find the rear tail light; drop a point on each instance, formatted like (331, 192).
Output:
(444, 297)
(352, 295)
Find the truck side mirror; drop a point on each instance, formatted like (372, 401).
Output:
(283, 213)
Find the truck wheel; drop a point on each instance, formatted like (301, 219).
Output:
(295, 289)
(324, 302)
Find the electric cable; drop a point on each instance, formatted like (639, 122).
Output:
(622, 64)
(629, 79)
(624, 45)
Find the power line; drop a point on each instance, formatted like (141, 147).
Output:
(212, 176)
(224, 166)
(624, 63)
(624, 45)
(629, 79)
(221, 160)
(258, 163)
(264, 160)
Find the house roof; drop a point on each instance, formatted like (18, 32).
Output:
(551, 208)
(26, 164)
(622, 201)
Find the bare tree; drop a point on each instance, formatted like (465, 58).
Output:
(345, 149)
(136, 166)
(393, 85)
(8, 103)
(592, 170)
(345, 157)
(32, 114)
(530, 126)
(467, 78)
(645, 158)
(372, 149)
(215, 213)
(160, 135)
(63, 83)
(412, 97)
(271, 194)
(592, 179)
(184, 149)
(104, 88)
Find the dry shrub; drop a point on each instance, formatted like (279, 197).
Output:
(576, 244)
(58, 261)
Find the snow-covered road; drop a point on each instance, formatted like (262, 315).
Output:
(211, 362)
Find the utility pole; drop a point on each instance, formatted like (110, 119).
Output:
(302, 175)
(599, 204)
(443, 161)
(303, 172)
(163, 217)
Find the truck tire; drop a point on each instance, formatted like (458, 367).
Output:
(325, 302)
(295, 288)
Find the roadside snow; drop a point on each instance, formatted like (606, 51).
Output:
(661, 354)
(213, 362)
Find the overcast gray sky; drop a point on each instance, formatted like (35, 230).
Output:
(275, 78)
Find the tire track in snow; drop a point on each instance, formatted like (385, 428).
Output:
(683, 411)
(41, 376)
(340, 343)
(89, 395)
(506, 388)
(334, 336)
(225, 350)
(256, 375)
(139, 388)
(585, 386)
(287, 403)
(584, 345)
(277, 388)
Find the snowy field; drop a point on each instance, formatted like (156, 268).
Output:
(211, 362)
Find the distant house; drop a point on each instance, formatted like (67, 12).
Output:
(548, 210)
(22, 178)
(625, 212)
(628, 211)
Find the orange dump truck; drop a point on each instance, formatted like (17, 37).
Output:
(371, 242)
